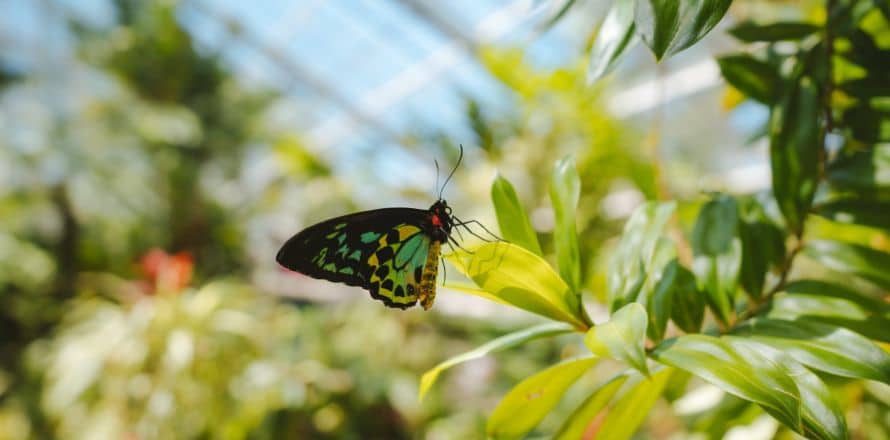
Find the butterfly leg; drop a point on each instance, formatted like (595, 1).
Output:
(477, 222)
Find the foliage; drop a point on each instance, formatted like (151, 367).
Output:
(785, 321)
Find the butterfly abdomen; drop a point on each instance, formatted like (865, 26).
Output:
(427, 289)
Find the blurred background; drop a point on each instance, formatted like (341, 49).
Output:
(155, 154)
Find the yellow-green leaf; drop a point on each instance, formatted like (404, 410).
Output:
(577, 423)
(522, 279)
(529, 401)
(502, 343)
(622, 337)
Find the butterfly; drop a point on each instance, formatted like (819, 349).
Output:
(391, 252)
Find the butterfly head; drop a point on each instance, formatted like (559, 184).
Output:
(440, 220)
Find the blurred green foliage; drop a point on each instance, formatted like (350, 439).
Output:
(104, 337)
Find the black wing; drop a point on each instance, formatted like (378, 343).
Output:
(341, 250)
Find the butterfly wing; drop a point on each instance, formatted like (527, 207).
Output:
(383, 251)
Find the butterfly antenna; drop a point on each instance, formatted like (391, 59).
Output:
(447, 179)
(437, 174)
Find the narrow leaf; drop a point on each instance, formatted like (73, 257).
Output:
(744, 373)
(579, 422)
(688, 309)
(864, 262)
(660, 304)
(632, 407)
(757, 79)
(614, 37)
(857, 210)
(669, 26)
(777, 31)
(718, 253)
(522, 279)
(658, 22)
(529, 401)
(820, 414)
(622, 337)
(512, 218)
(873, 323)
(867, 170)
(628, 268)
(794, 152)
(502, 343)
(565, 191)
(868, 124)
(824, 347)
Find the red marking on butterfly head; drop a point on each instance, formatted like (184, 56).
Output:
(437, 222)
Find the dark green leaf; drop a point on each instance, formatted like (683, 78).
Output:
(821, 346)
(658, 22)
(866, 88)
(857, 210)
(736, 370)
(669, 26)
(794, 152)
(688, 309)
(868, 124)
(577, 423)
(869, 304)
(557, 16)
(636, 251)
(565, 191)
(622, 337)
(861, 261)
(763, 246)
(632, 407)
(832, 311)
(614, 37)
(662, 300)
(867, 170)
(718, 253)
(502, 343)
(529, 401)
(822, 418)
(757, 79)
(776, 31)
(512, 219)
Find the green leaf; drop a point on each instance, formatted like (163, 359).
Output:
(718, 253)
(868, 124)
(614, 37)
(658, 22)
(512, 219)
(662, 300)
(736, 370)
(821, 346)
(669, 26)
(757, 79)
(867, 170)
(868, 303)
(502, 343)
(622, 337)
(565, 191)
(529, 401)
(771, 32)
(577, 423)
(820, 414)
(688, 309)
(861, 261)
(762, 244)
(857, 210)
(522, 279)
(632, 407)
(634, 254)
(832, 311)
(794, 152)
(866, 88)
